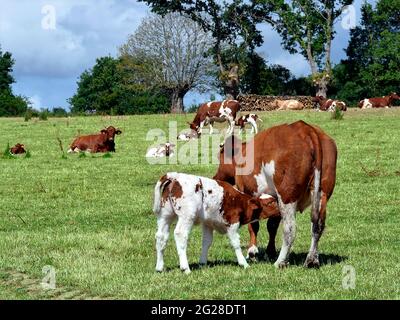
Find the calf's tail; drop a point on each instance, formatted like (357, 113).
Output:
(158, 190)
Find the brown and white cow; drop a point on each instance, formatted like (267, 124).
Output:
(102, 142)
(250, 118)
(288, 105)
(379, 102)
(217, 111)
(18, 149)
(215, 204)
(295, 163)
(329, 104)
(163, 150)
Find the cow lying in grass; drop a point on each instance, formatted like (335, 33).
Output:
(379, 102)
(163, 150)
(329, 104)
(251, 119)
(288, 105)
(216, 204)
(102, 142)
(18, 149)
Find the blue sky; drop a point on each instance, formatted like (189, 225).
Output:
(50, 60)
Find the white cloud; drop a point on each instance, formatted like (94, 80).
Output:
(36, 102)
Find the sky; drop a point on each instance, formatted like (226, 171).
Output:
(54, 41)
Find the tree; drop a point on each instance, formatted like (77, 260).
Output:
(174, 50)
(306, 27)
(371, 67)
(231, 23)
(105, 89)
(10, 105)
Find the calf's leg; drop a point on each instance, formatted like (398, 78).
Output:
(181, 234)
(233, 235)
(207, 241)
(162, 235)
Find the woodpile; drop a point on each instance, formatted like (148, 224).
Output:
(254, 102)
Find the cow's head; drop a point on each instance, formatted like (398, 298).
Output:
(228, 150)
(194, 126)
(110, 132)
(394, 95)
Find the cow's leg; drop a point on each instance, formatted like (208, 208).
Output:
(317, 227)
(181, 234)
(211, 127)
(272, 227)
(201, 126)
(288, 213)
(231, 125)
(252, 251)
(162, 235)
(233, 235)
(207, 241)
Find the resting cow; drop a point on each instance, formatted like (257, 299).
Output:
(163, 150)
(288, 105)
(216, 204)
(18, 149)
(379, 102)
(295, 163)
(329, 104)
(218, 111)
(102, 142)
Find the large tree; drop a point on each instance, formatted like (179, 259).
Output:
(10, 105)
(307, 27)
(372, 64)
(106, 89)
(173, 48)
(231, 23)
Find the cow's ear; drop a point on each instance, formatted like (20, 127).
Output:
(103, 131)
(118, 131)
(254, 208)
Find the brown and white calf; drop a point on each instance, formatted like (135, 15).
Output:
(296, 163)
(18, 149)
(329, 104)
(102, 142)
(379, 102)
(163, 150)
(250, 118)
(217, 111)
(288, 105)
(215, 204)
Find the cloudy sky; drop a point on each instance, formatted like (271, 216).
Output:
(51, 53)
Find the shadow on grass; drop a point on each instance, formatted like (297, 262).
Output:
(295, 259)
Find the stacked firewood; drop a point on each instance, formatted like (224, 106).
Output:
(254, 102)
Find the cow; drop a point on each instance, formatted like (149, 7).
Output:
(288, 105)
(102, 142)
(163, 150)
(329, 104)
(18, 149)
(217, 111)
(296, 163)
(186, 136)
(250, 118)
(215, 204)
(379, 102)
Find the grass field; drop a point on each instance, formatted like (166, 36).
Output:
(90, 217)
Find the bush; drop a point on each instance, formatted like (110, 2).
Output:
(44, 115)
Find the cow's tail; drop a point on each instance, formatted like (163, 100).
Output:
(158, 190)
(316, 194)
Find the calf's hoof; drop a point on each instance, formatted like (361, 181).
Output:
(252, 253)
(312, 262)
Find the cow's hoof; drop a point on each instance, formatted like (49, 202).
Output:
(281, 265)
(312, 262)
(271, 254)
(186, 271)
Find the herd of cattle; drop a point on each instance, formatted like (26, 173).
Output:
(293, 167)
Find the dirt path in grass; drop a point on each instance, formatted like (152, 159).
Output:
(23, 286)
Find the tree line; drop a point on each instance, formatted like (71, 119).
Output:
(212, 45)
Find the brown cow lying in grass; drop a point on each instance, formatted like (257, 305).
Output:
(18, 149)
(102, 142)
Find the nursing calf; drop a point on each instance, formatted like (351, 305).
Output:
(215, 204)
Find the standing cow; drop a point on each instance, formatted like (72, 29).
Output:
(295, 163)
(379, 102)
(250, 118)
(218, 111)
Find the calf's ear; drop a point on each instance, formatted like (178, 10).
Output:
(118, 131)
(254, 208)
